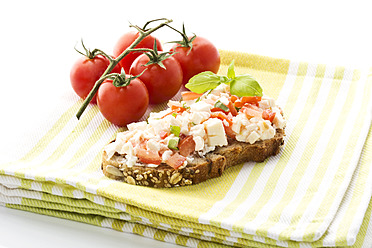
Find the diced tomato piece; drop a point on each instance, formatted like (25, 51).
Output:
(163, 134)
(229, 132)
(217, 110)
(251, 99)
(186, 146)
(177, 109)
(233, 98)
(222, 116)
(238, 103)
(174, 110)
(247, 99)
(267, 114)
(251, 111)
(176, 160)
(189, 95)
(148, 157)
(232, 109)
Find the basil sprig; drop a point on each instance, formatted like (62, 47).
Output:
(241, 85)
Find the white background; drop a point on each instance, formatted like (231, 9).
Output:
(36, 54)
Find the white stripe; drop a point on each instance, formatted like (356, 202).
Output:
(236, 187)
(107, 222)
(191, 242)
(20, 193)
(10, 199)
(367, 243)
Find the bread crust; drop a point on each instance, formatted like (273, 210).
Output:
(212, 165)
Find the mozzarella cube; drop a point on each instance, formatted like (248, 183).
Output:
(153, 145)
(137, 126)
(200, 107)
(253, 137)
(166, 155)
(158, 125)
(264, 104)
(279, 121)
(216, 132)
(197, 130)
(268, 133)
(224, 100)
(198, 117)
(199, 143)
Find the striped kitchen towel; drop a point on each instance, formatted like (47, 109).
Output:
(315, 193)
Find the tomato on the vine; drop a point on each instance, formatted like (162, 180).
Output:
(125, 104)
(86, 71)
(126, 40)
(197, 57)
(162, 82)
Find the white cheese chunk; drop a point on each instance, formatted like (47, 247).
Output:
(198, 130)
(279, 121)
(137, 126)
(166, 155)
(198, 117)
(253, 137)
(216, 132)
(199, 143)
(200, 106)
(153, 145)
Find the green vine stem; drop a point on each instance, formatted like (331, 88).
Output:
(113, 62)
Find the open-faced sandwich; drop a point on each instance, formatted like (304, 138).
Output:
(196, 139)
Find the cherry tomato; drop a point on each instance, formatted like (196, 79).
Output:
(162, 84)
(126, 40)
(203, 56)
(123, 105)
(85, 72)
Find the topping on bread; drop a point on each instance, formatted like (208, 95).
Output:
(196, 139)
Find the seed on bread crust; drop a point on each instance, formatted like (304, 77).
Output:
(175, 178)
(199, 170)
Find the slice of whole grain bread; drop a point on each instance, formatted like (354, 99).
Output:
(200, 169)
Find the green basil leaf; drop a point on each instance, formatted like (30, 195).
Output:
(222, 106)
(245, 85)
(231, 71)
(176, 130)
(173, 143)
(204, 81)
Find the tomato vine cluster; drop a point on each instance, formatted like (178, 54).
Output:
(139, 72)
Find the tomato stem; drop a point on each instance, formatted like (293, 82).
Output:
(114, 62)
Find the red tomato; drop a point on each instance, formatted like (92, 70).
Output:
(189, 95)
(203, 56)
(267, 114)
(186, 146)
(148, 157)
(126, 40)
(176, 160)
(123, 105)
(162, 84)
(85, 72)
